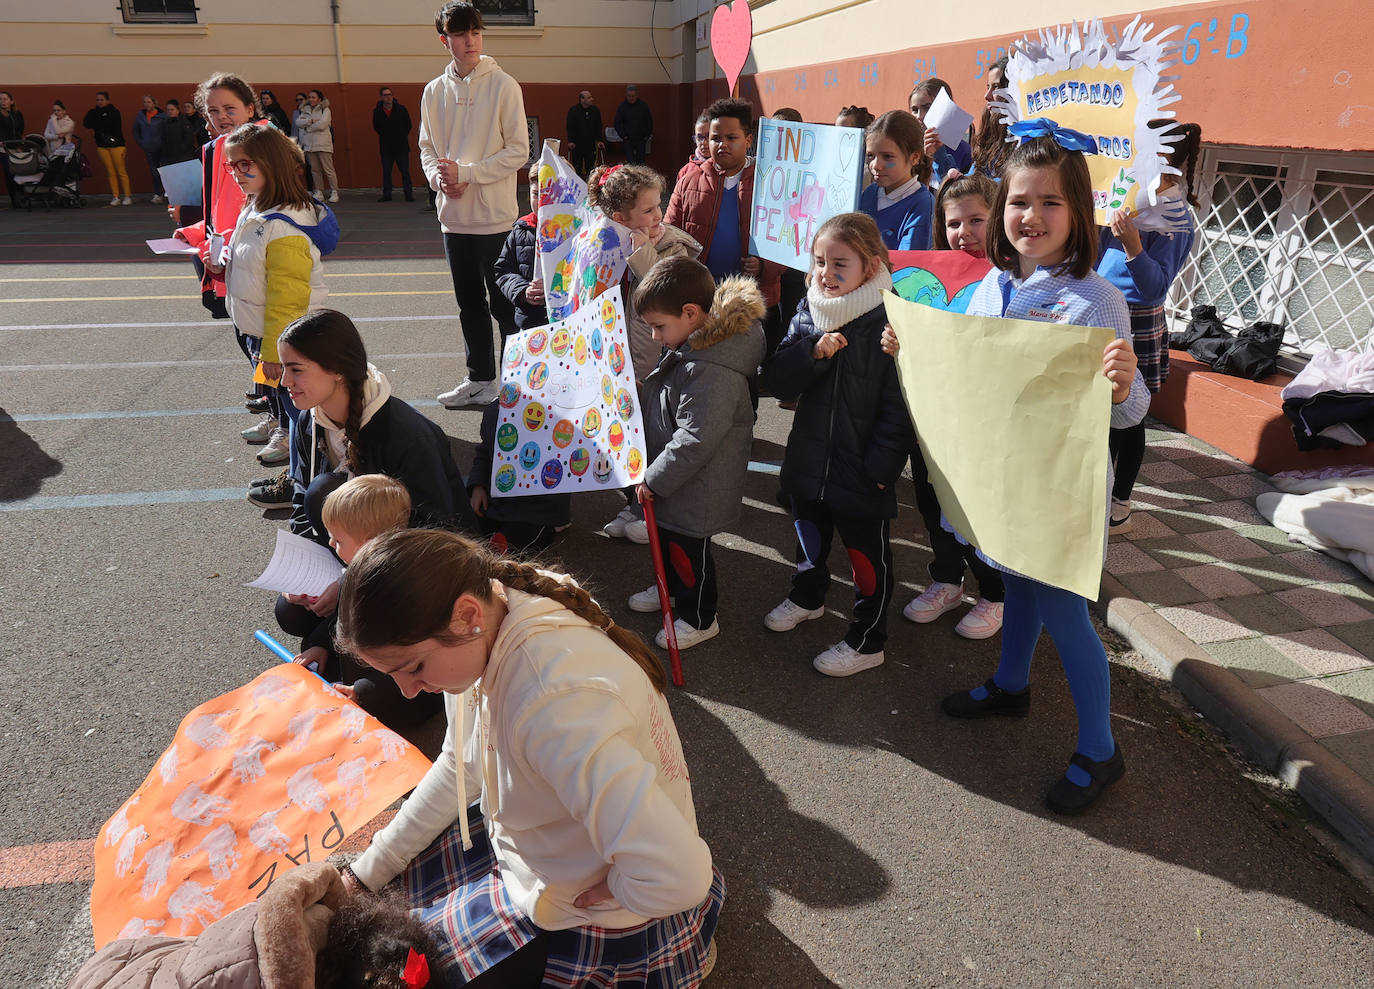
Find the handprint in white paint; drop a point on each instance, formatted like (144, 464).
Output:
(206, 732)
(138, 927)
(247, 762)
(194, 806)
(302, 725)
(266, 836)
(155, 866)
(119, 823)
(354, 720)
(305, 791)
(167, 765)
(192, 904)
(271, 688)
(352, 777)
(393, 745)
(221, 845)
(124, 858)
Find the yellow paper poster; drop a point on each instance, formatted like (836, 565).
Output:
(1012, 417)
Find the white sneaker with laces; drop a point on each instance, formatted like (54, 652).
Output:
(334, 195)
(260, 431)
(687, 635)
(842, 660)
(637, 531)
(127, 201)
(615, 528)
(114, 201)
(469, 392)
(983, 621)
(1121, 518)
(789, 615)
(933, 602)
(277, 450)
(645, 601)
(157, 199)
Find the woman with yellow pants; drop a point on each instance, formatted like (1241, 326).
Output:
(104, 120)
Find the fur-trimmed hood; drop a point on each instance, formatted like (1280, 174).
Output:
(738, 304)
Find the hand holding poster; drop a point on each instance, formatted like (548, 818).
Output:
(570, 418)
(1110, 88)
(257, 781)
(803, 175)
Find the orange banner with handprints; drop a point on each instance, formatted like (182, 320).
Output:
(257, 781)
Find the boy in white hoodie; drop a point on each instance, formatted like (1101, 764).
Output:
(473, 142)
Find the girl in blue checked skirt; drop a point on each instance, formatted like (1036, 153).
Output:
(581, 864)
(1044, 244)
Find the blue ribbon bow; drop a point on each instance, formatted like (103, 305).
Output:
(1065, 137)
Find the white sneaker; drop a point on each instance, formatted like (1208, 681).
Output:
(687, 635)
(469, 392)
(1121, 518)
(788, 615)
(261, 431)
(637, 531)
(318, 194)
(983, 621)
(841, 660)
(157, 199)
(278, 449)
(114, 201)
(127, 201)
(933, 602)
(615, 528)
(334, 195)
(645, 601)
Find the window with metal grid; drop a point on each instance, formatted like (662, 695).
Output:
(158, 11)
(1285, 237)
(506, 11)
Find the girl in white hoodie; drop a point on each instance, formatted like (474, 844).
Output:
(585, 856)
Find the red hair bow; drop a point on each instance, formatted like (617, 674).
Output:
(416, 972)
(607, 174)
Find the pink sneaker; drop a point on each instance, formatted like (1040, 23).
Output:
(983, 621)
(933, 602)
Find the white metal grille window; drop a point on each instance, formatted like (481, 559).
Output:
(1285, 236)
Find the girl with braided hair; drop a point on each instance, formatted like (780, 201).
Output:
(581, 862)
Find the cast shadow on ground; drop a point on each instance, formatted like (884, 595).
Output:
(24, 465)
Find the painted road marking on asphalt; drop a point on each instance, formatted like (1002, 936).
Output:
(185, 277)
(199, 322)
(219, 362)
(183, 296)
(123, 499)
(155, 413)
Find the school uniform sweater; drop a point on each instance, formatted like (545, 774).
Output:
(1144, 279)
(905, 222)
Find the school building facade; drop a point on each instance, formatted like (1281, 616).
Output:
(1281, 88)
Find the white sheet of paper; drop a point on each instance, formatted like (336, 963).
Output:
(183, 182)
(948, 120)
(170, 245)
(299, 566)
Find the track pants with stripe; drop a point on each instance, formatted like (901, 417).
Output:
(870, 559)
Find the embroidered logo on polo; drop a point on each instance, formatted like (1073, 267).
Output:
(1057, 313)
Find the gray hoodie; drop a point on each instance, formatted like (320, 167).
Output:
(698, 420)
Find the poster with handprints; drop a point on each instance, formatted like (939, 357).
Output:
(804, 174)
(1108, 85)
(939, 279)
(570, 418)
(257, 781)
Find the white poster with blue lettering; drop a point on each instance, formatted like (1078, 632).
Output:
(803, 175)
(570, 418)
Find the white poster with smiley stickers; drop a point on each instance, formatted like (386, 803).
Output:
(570, 418)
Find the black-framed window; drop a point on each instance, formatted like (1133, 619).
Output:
(506, 11)
(158, 11)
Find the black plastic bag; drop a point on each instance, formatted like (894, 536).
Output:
(1254, 352)
(1206, 336)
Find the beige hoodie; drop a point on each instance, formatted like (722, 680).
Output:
(581, 776)
(478, 121)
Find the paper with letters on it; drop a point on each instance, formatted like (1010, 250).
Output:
(298, 566)
(183, 182)
(170, 245)
(1012, 417)
(948, 119)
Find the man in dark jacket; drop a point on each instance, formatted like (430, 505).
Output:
(584, 133)
(104, 121)
(196, 123)
(635, 125)
(391, 121)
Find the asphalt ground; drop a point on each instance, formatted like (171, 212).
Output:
(866, 839)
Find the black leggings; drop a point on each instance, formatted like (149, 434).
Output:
(1127, 447)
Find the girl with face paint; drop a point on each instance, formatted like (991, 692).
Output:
(898, 198)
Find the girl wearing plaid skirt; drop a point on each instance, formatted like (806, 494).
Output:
(584, 865)
(1143, 265)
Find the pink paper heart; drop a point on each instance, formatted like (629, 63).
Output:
(732, 31)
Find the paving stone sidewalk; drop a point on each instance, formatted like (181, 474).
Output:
(1268, 638)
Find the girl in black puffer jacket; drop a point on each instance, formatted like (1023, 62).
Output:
(850, 438)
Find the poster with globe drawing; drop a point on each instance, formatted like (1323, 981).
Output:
(570, 418)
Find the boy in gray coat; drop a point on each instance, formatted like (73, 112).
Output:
(698, 426)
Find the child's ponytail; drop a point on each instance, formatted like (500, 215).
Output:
(1184, 153)
(615, 188)
(371, 942)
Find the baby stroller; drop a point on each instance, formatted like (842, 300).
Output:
(56, 182)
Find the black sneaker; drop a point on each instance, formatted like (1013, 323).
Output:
(263, 482)
(1067, 797)
(257, 405)
(998, 701)
(276, 494)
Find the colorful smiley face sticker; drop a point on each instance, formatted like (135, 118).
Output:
(510, 394)
(580, 349)
(534, 416)
(601, 468)
(563, 432)
(617, 358)
(529, 455)
(537, 341)
(607, 389)
(635, 463)
(507, 436)
(505, 478)
(607, 315)
(551, 474)
(624, 404)
(598, 344)
(616, 436)
(538, 376)
(513, 354)
(560, 341)
(579, 461)
(591, 423)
